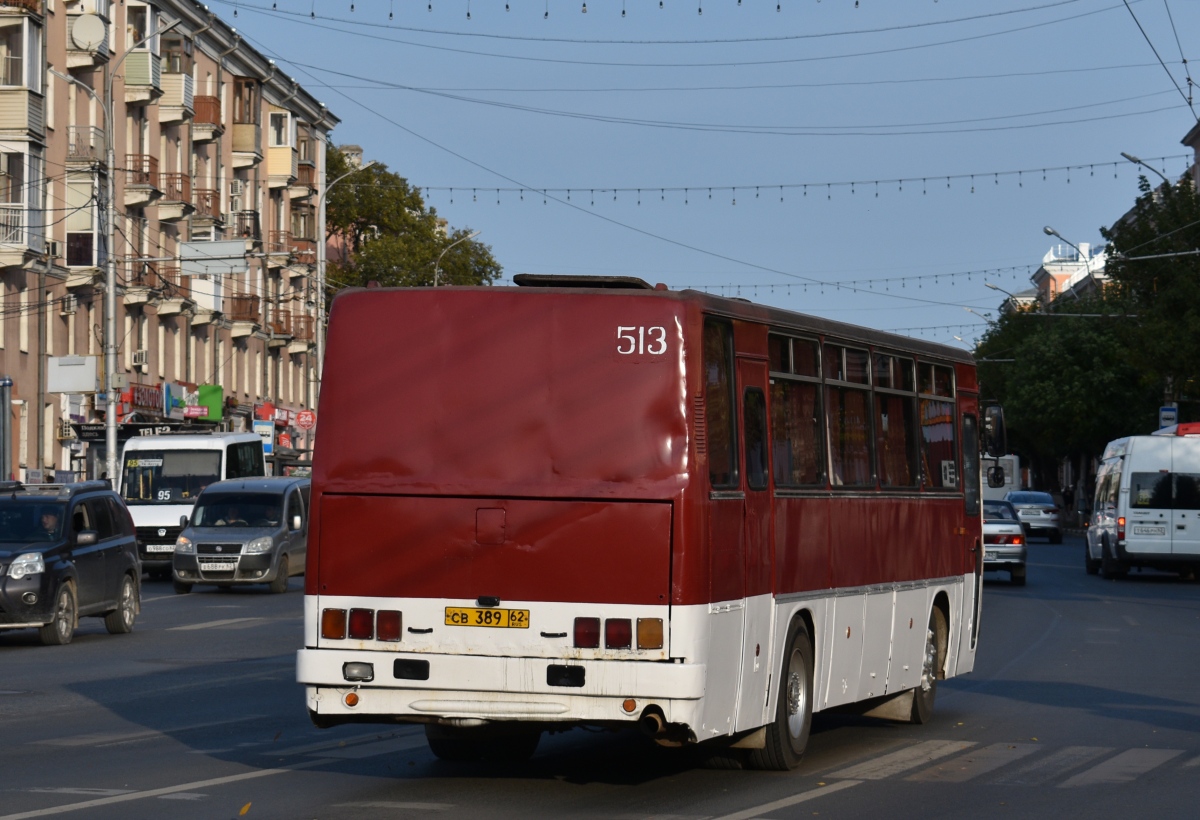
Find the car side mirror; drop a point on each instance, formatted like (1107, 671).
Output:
(995, 437)
(995, 476)
(183, 521)
(86, 538)
(296, 523)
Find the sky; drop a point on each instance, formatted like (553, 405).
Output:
(871, 162)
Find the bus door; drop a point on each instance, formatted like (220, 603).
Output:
(972, 538)
(757, 557)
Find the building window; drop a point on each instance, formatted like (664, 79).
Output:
(21, 61)
(280, 128)
(245, 101)
(12, 197)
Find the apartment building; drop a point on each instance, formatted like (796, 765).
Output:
(216, 168)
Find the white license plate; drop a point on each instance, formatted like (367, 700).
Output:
(989, 554)
(219, 566)
(160, 548)
(1147, 530)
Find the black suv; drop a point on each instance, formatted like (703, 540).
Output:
(66, 550)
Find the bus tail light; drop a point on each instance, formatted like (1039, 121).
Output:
(1121, 528)
(618, 633)
(362, 624)
(333, 624)
(650, 633)
(387, 625)
(587, 633)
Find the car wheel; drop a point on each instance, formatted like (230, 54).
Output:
(1018, 577)
(1056, 537)
(182, 588)
(931, 665)
(120, 620)
(61, 629)
(280, 584)
(787, 735)
(1090, 564)
(1110, 567)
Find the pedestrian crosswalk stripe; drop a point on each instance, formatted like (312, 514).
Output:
(904, 760)
(975, 762)
(1053, 766)
(1124, 768)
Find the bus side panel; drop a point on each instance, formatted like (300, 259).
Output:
(802, 558)
(412, 547)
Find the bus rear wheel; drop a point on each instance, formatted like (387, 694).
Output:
(465, 744)
(931, 668)
(1110, 567)
(787, 735)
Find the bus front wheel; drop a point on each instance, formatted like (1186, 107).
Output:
(787, 735)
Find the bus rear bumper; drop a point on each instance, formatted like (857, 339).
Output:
(467, 688)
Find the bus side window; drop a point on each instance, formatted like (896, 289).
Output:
(971, 474)
(755, 419)
(719, 407)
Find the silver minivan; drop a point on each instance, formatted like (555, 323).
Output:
(244, 531)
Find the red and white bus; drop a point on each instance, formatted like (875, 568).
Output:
(594, 502)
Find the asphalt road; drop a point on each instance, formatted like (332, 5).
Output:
(1083, 704)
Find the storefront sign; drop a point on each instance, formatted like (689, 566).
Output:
(146, 397)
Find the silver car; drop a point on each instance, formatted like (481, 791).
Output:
(1038, 513)
(1003, 540)
(244, 531)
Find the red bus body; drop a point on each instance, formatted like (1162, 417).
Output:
(563, 452)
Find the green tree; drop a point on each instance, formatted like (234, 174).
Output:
(392, 237)
(1163, 290)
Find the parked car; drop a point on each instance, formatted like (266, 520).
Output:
(244, 531)
(66, 551)
(1038, 513)
(1003, 540)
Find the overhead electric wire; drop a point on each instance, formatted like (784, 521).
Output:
(1186, 98)
(1183, 58)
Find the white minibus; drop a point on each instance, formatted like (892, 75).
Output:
(161, 476)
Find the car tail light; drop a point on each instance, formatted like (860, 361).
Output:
(1121, 528)
(333, 624)
(650, 633)
(587, 633)
(618, 633)
(1003, 540)
(1053, 511)
(387, 625)
(362, 624)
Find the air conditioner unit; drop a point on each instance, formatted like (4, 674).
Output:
(70, 304)
(236, 187)
(65, 431)
(52, 249)
(141, 358)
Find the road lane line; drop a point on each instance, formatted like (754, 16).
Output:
(1052, 767)
(142, 795)
(1124, 768)
(973, 764)
(370, 737)
(1195, 761)
(110, 738)
(389, 804)
(212, 624)
(766, 808)
(903, 760)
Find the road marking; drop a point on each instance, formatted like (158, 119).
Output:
(182, 787)
(343, 742)
(903, 760)
(387, 804)
(212, 624)
(398, 744)
(765, 808)
(1053, 766)
(90, 792)
(1130, 621)
(1195, 761)
(1124, 768)
(184, 796)
(113, 738)
(973, 764)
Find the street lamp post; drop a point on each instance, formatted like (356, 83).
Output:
(110, 271)
(1086, 264)
(437, 265)
(1137, 161)
(320, 322)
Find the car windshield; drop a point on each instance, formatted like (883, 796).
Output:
(1031, 498)
(24, 521)
(998, 511)
(168, 476)
(238, 510)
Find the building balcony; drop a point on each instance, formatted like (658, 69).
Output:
(139, 282)
(206, 121)
(14, 237)
(279, 248)
(280, 326)
(22, 112)
(143, 78)
(85, 145)
(305, 184)
(245, 224)
(243, 311)
(31, 6)
(303, 339)
(208, 209)
(81, 58)
(178, 102)
(282, 166)
(176, 202)
(141, 180)
(247, 144)
(176, 290)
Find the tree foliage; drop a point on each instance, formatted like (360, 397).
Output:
(392, 237)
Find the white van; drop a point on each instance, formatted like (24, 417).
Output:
(162, 475)
(1147, 505)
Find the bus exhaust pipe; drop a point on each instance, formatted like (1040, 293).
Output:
(652, 724)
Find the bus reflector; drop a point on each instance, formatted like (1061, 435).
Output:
(333, 624)
(387, 625)
(587, 633)
(650, 633)
(618, 633)
(362, 624)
